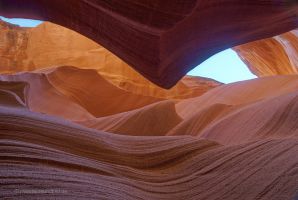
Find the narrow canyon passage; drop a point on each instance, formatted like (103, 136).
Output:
(81, 121)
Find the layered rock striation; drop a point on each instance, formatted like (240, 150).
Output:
(163, 40)
(273, 56)
(163, 150)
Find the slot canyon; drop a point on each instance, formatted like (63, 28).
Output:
(96, 103)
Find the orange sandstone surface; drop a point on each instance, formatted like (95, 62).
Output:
(76, 122)
(49, 45)
(273, 56)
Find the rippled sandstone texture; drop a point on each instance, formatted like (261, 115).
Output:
(273, 56)
(243, 142)
(49, 45)
(163, 39)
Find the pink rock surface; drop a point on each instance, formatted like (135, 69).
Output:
(243, 144)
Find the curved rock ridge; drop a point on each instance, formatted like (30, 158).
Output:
(273, 118)
(198, 121)
(152, 120)
(43, 97)
(13, 94)
(163, 39)
(49, 45)
(268, 118)
(229, 116)
(98, 96)
(76, 94)
(75, 162)
(240, 93)
(273, 56)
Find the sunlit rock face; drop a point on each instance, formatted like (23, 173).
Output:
(49, 45)
(163, 40)
(273, 56)
(13, 44)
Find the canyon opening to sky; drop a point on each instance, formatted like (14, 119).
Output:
(225, 66)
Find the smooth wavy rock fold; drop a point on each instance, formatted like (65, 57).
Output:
(43, 97)
(239, 93)
(232, 117)
(98, 96)
(163, 40)
(40, 153)
(269, 118)
(76, 94)
(198, 121)
(155, 119)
